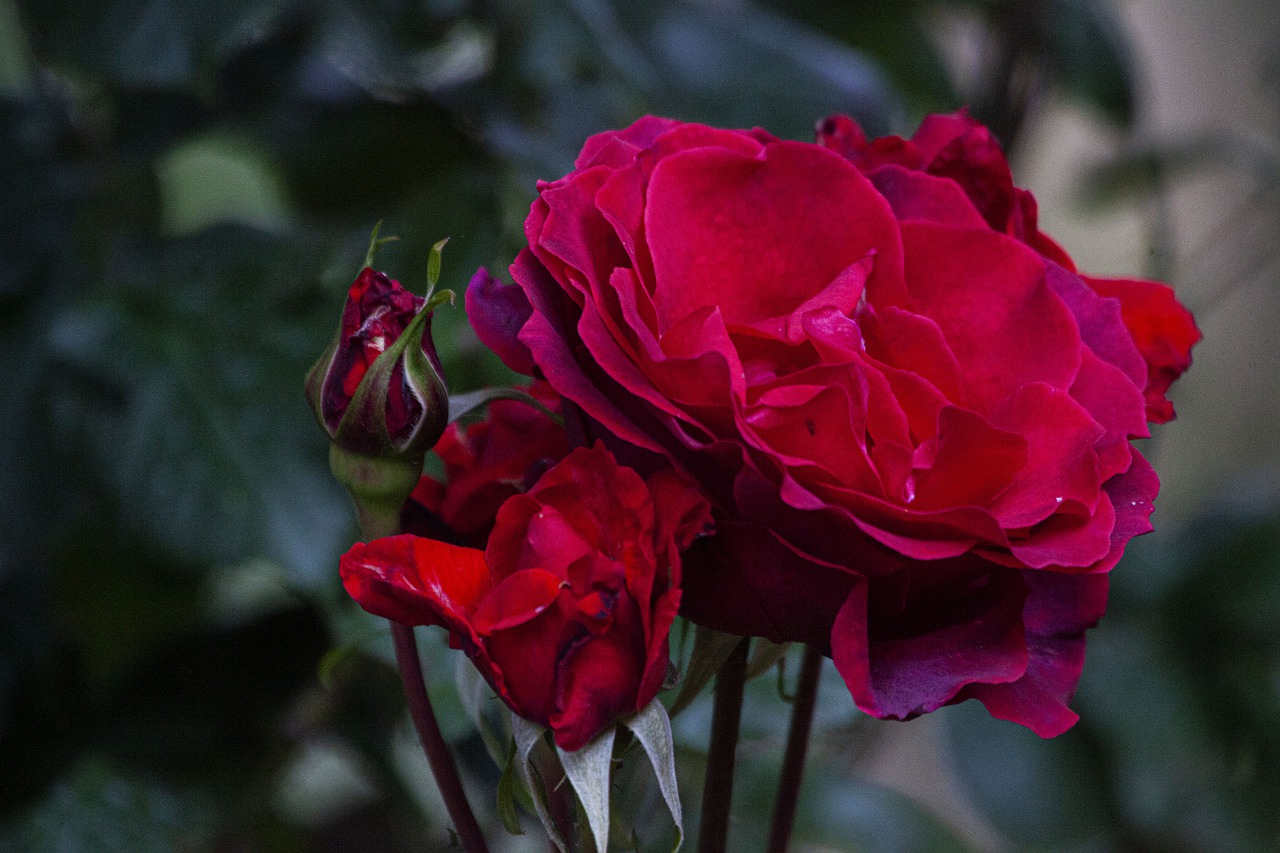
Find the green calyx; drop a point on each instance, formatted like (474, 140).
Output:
(379, 486)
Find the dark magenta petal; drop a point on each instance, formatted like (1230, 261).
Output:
(497, 312)
(547, 334)
(1058, 611)
(896, 641)
(744, 580)
(938, 130)
(1019, 331)
(619, 147)
(916, 195)
(1102, 327)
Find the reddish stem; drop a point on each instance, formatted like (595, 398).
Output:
(717, 789)
(784, 808)
(433, 744)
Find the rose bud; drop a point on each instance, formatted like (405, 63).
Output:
(567, 612)
(379, 390)
(379, 393)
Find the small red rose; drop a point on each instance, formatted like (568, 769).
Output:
(486, 463)
(567, 611)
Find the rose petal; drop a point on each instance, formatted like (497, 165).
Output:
(416, 581)
(902, 664)
(1059, 608)
(598, 680)
(916, 195)
(1163, 330)
(519, 597)
(987, 293)
(497, 312)
(728, 230)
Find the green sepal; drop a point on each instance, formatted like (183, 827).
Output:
(590, 772)
(375, 244)
(461, 405)
(652, 727)
(477, 697)
(433, 265)
(527, 736)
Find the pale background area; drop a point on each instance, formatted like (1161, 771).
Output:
(1204, 68)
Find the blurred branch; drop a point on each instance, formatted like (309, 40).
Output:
(1018, 67)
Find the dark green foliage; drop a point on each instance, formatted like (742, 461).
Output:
(186, 190)
(1177, 748)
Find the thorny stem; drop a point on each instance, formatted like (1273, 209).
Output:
(717, 791)
(784, 807)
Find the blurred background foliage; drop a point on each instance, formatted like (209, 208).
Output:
(186, 190)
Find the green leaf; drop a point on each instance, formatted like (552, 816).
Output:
(764, 654)
(652, 727)
(1091, 57)
(506, 795)
(589, 771)
(95, 808)
(182, 374)
(219, 177)
(711, 649)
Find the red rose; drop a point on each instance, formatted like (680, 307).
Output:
(404, 411)
(567, 611)
(912, 414)
(487, 462)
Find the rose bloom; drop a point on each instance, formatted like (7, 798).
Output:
(567, 611)
(486, 462)
(912, 414)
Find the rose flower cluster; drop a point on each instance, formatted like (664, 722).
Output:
(895, 418)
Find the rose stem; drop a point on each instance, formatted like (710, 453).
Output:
(784, 808)
(376, 522)
(717, 790)
(438, 755)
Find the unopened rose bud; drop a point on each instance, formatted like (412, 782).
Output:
(378, 391)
